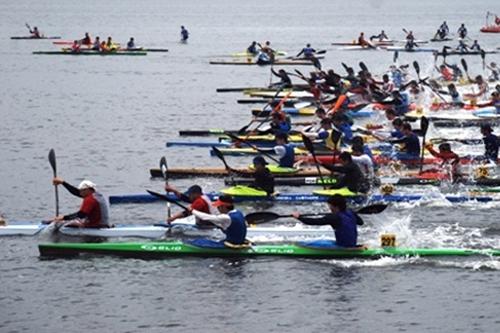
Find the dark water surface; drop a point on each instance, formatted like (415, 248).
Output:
(108, 119)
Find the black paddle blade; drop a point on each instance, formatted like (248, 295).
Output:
(395, 57)
(336, 136)
(363, 66)
(164, 167)
(261, 217)
(483, 54)
(219, 155)
(308, 143)
(417, 67)
(424, 125)
(52, 161)
(372, 209)
(243, 130)
(464, 65)
(321, 52)
(166, 198)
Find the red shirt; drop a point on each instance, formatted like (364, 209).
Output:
(91, 207)
(200, 205)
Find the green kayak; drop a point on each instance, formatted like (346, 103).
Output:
(90, 53)
(152, 250)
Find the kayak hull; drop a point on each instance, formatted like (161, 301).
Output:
(92, 53)
(156, 250)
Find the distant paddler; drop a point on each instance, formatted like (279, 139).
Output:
(380, 37)
(363, 42)
(93, 212)
(198, 200)
(491, 143)
(342, 220)
(230, 220)
(131, 43)
(285, 80)
(97, 44)
(462, 31)
(410, 41)
(75, 47)
(184, 34)
(263, 178)
(252, 49)
(266, 49)
(110, 44)
(462, 47)
(475, 46)
(35, 33)
(494, 72)
(307, 51)
(86, 40)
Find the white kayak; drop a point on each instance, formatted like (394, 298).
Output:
(184, 227)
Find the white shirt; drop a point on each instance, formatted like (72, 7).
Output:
(223, 221)
(365, 163)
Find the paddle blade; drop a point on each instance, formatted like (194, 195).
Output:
(164, 167)
(321, 52)
(363, 66)
(219, 155)
(261, 217)
(336, 136)
(424, 125)
(395, 57)
(372, 209)
(308, 143)
(52, 161)
(417, 67)
(464, 65)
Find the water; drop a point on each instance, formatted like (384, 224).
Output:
(108, 119)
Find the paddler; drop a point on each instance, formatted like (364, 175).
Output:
(263, 178)
(363, 42)
(380, 37)
(494, 72)
(109, 44)
(340, 123)
(445, 73)
(462, 31)
(475, 46)
(252, 49)
(456, 98)
(325, 134)
(103, 47)
(462, 47)
(35, 33)
(184, 34)
(352, 176)
(343, 221)
(93, 212)
(230, 220)
(86, 40)
(285, 81)
(284, 150)
(198, 200)
(444, 27)
(491, 143)
(266, 49)
(447, 155)
(307, 51)
(131, 43)
(280, 123)
(410, 41)
(364, 163)
(411, 144)
(75, 47)
(482, 86)
(97, 44)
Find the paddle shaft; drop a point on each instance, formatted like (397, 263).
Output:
(252, 146)
(164, 172)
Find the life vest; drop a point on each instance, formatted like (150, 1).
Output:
(289, 158)
(308, 52)
(346, 234)
(237, 230)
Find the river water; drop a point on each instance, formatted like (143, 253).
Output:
(108, 120)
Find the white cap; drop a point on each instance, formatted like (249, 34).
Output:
(86, 184)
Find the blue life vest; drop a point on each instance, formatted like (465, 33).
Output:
(263, 58)
(403, 107)
(346, 131)
(397, 79)
(237, 231)
(289, 158)
(308, 52)
(346, 234)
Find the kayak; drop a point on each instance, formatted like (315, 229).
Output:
(446, 39)
(253, 62)
(361, 48)
(491, 29)
(203, 248)
(181, 227)
(89, 53)
(355, 43)
(310, 111)
(31, 38)
(272, 94)
(403, 49)
(456, 118)
(117, 48)
(450, 53)
(326, 180)
(222, 172)
(140, 198)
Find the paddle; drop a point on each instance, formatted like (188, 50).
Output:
(164, 172)
(395, 57)
(417, 69)
(310, 147)
(363, 67)
(277, 107)
(234, 137)
(166, 198)
(28, 26)
(244, 128)
(424, 125)
(483, 56)
(52, 161)
(466, 68)
(264, 217)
